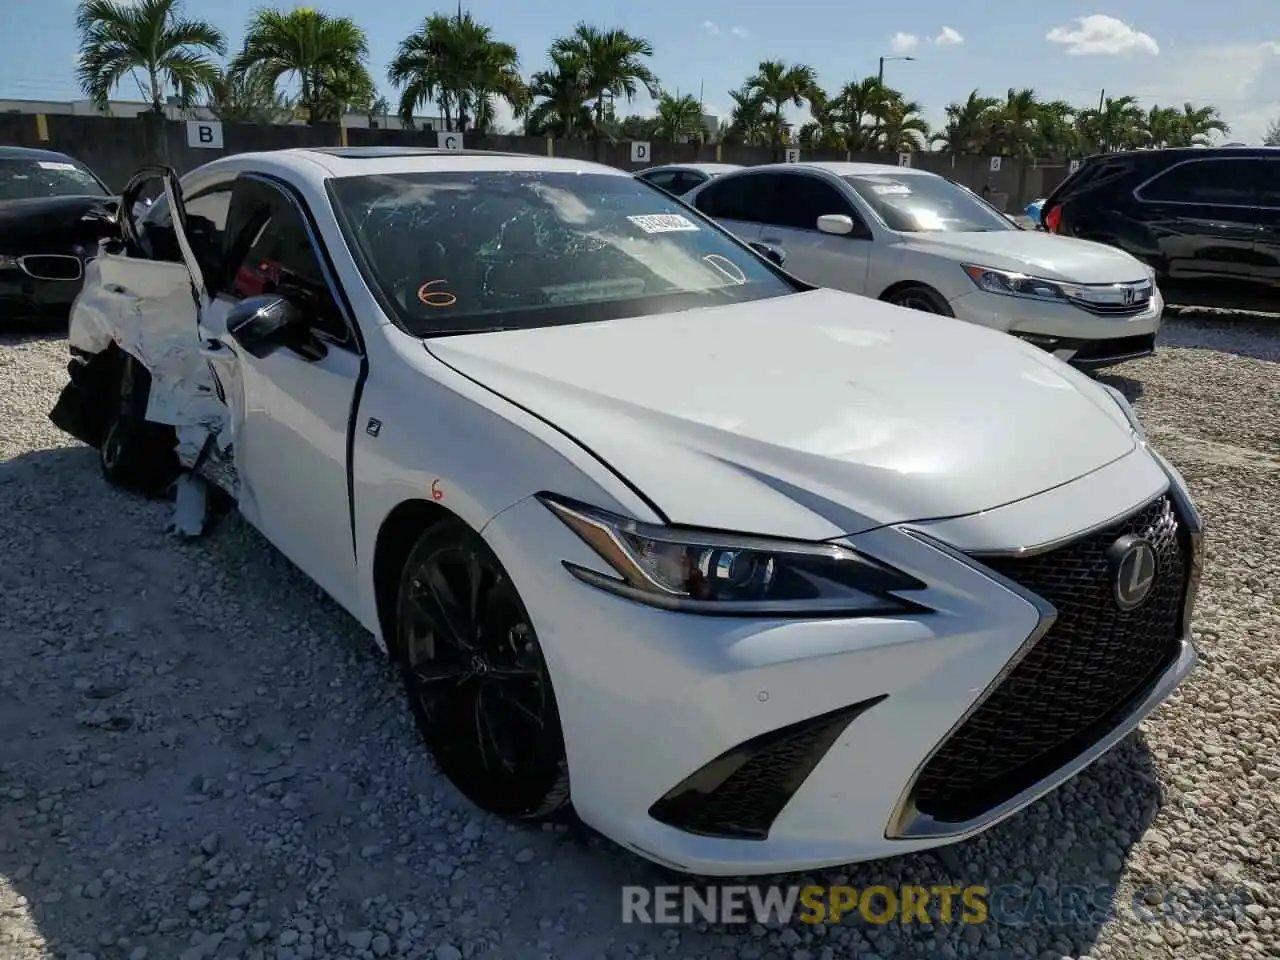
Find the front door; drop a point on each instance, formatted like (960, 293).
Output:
(838, 261)
(1204, 216)
(289, 410)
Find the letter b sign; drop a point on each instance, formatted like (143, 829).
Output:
(204, 134)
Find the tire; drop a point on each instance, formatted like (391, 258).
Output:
(135, 455)
(917, 296)
(476, 679)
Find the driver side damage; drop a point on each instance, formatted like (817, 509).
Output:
(140, 391)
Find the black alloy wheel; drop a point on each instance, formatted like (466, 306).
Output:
(476, 678)
(922, 298)
(135, 454)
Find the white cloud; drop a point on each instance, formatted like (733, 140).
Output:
(1100, 34)
(949, 37)
(1245, 94)
(903, 42)
(711, 28)
(740, 32)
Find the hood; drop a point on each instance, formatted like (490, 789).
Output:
(1041, 254)
(49, 224)
(812, 415)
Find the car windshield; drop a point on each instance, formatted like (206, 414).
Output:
(457, 252)
(23, 179)
(917, 203)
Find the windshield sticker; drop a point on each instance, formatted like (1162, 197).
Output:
(589, 290)
(435, 298)
(891, 189)
(55, 165)
(664, 223)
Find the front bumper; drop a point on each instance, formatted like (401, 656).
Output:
(663, 713)
(26, 298)
(1068, 332)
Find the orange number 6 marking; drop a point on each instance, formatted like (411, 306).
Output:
(436, 492)
(435, 298)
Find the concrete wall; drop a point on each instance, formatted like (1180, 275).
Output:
(115, 147)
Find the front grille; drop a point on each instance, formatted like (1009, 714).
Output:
(739, 794)
(1077, 682)
(1118, 347)
(51, 266)
(1113, 309)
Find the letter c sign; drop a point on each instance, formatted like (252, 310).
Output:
(448, 141)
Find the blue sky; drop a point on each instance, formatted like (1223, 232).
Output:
(1226, 52)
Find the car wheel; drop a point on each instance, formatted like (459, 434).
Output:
(135, 455)
(476, 678)
(919, 297)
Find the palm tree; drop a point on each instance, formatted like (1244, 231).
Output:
(612, 64)
(748, 122)
(781, 84)
(862, 107)
(1119, 125)
(679, 118)
(147, 37)
(968, 124)
(560, 109)
(327, 54)
(247, 98)
(1195, 124)
(455, 62)
(902, 129)
(1015, 127)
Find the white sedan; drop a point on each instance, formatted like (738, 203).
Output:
(916, 239)
(760, 577)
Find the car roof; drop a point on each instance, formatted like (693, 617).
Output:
(843, 169)
(710, 168)
(32, 153)
(323, 163)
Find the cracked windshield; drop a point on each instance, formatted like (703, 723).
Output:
(461, 252)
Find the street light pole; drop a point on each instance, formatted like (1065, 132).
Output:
(882, 60)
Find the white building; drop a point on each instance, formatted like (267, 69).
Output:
(132, 108)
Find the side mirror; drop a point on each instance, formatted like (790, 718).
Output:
(837, 223)
(774, 255)
(264, 324)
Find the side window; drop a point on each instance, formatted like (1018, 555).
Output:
(802, 199)
(270, 250)
(738, 198)
(684, 182)
(662, 179)
(206, 224)
(1224, 182)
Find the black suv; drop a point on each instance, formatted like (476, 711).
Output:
(1206, 219)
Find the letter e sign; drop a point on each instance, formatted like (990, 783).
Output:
(204, 134)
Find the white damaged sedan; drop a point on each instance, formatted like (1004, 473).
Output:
(760, 577)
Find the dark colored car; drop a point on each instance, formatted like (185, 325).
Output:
(1206, 219)
(53, 211)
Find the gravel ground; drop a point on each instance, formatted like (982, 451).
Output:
(203, 757)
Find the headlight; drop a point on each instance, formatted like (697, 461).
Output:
(1008, 283)
(7, 262)
(1127, 409)
(698, 571)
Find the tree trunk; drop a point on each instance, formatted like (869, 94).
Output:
(599, 131)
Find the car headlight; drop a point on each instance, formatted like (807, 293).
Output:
(1009, 283)
(1127, 409)
(699, 571)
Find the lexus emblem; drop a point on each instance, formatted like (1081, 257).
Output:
(1134, 567)
(1128, 296)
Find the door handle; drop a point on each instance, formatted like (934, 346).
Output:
(213, 349)
(116, 288)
